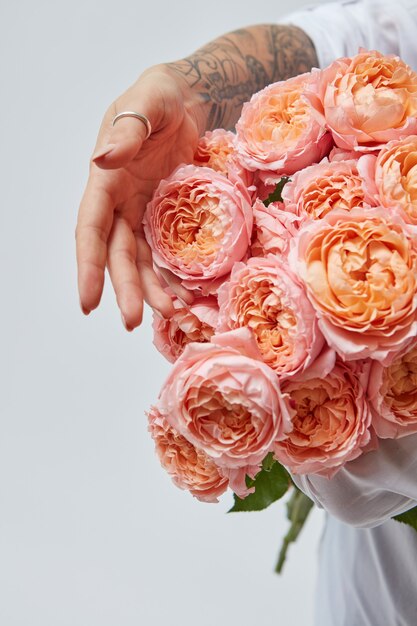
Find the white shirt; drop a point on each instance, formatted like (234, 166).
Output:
(338, 29)
(368, 562)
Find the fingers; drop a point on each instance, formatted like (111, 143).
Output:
(124, 275)
(175, 284)
(103, 236)
(95, 219)
(131, 272)
(124, 140)
(153, 292)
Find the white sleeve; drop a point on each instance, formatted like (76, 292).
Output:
(338, 29)
(371, 489)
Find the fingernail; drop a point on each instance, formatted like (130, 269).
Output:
(158, 314)
(84, 310)
(128, 328)
(184, 301)
(103, 151)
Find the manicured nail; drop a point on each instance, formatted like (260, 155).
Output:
(103, 151)
(128, 328)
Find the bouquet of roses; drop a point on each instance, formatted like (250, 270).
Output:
(297, 236)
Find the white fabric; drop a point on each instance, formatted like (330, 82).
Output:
(368, 563)
(338, 29)
(367, 576)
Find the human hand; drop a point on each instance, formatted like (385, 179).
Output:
(124, 171)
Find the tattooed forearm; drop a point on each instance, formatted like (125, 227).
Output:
(292, 50)
(227, 71)
(224, 75)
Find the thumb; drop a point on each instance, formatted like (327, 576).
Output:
(124, 141)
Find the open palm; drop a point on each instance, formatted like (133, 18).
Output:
(124, 171)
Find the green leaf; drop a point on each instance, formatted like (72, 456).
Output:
(270, 485)
(298, 509)
(409, 517)
(276, 196)
(268, 462)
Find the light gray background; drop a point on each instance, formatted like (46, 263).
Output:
(92, 531)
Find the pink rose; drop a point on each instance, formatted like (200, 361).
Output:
(265, 296)
(223, 399)
(274, 227)
(215, 150)
(365, 100)
(278, 133)
(195, 322)
(393, 395)
(198, 224)
(339, 154)
(331, 421)
(188, 467)
(360, 270)
(396, 177)
(318, 189)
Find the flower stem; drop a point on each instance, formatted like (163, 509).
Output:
(298, 509)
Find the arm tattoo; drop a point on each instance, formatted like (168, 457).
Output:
(227, 71)
(293, 52)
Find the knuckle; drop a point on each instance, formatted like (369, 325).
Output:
(100, 232)
(123, 254)
(110, 112)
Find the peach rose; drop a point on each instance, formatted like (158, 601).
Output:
(396, 176)
(277, 132)
(198, 224)
(331, 421)
(215, 150)
(188, 467)
(365, 100)
(360, 272)
(237, 478)
(265, 296)
(273, 229)
(338, 154)
(318, 189)
(195, 322)
(393, 395)
(223, 399)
